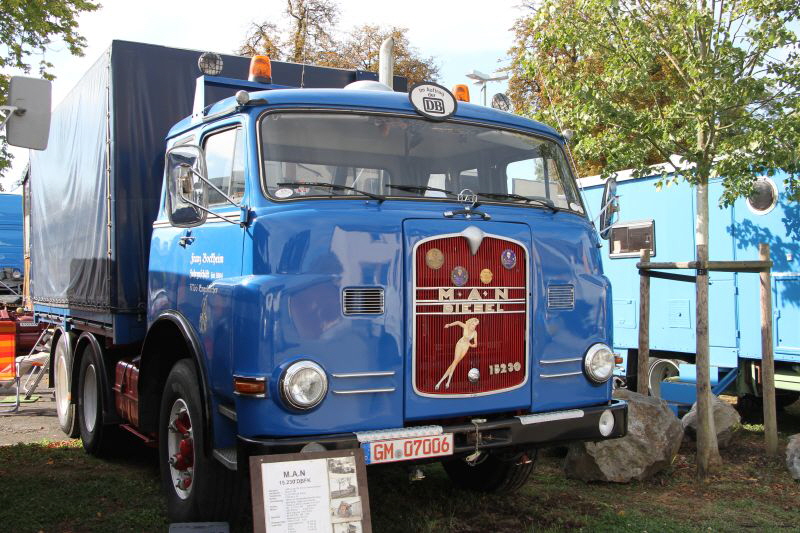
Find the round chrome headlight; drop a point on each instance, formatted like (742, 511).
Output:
(303, 385)
(16, 274)
(599, 363)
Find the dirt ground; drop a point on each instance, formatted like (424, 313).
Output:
(34, 422)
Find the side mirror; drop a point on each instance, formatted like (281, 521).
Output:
(187, 193)
(28, 107)
(608, 207)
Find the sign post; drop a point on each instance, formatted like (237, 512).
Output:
(311, 492)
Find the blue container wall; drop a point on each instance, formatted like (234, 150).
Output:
(11, 239)
(734, 234)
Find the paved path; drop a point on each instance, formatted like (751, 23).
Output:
(33, 422)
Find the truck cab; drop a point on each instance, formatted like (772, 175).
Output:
(354, 270)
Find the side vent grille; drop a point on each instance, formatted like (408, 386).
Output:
(363, 301)
(561, 297)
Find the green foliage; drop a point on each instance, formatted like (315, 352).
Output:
(715, 83)
(27, 28)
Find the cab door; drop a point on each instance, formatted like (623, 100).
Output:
(192, 255)
(212, 251)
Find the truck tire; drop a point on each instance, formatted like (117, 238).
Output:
(197, 487)
(658, 370)
(98, 438)
(494, 473)
(62, 370)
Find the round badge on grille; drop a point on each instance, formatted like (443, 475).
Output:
(508, 258)
(434, 258)
(474, 375)
(459, 275)
(486, 276)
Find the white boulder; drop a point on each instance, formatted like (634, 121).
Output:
(726, 422)
(653, 440)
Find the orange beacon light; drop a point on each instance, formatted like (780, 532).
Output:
(461, 93)
(260, 69)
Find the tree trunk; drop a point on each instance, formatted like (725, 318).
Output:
(767, 357)
(642, 363)
(708, 458)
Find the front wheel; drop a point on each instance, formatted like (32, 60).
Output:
(492, 473)
(197, 487)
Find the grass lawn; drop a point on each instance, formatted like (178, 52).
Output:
(55, 486)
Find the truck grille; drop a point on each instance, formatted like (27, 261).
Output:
(363, 301)
(454, 288)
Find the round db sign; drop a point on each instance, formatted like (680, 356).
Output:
(432, 101)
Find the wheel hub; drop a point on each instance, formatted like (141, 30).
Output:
(180, 447)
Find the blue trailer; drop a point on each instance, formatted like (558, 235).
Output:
(11, 256)
(663, 221)
(241, 266)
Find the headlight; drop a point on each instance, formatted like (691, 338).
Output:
(304, 385)
(599, 363)
(17, 274)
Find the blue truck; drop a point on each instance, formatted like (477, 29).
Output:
(303, 258)
(663, 221)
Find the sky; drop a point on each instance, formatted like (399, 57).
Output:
(461, 39)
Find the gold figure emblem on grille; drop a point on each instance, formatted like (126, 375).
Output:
(434, 259)
(469, 339)
(486, 276)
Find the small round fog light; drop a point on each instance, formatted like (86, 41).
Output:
(606, 424)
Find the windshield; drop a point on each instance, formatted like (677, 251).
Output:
(344, 155)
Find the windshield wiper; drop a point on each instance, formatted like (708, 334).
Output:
(379, 197)
(547, 202)
(420, 188)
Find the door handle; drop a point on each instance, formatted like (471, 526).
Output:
(186, 239)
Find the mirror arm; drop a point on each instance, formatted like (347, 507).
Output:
(204, 180)
(11, 110)
(207, 210)
(605, 207)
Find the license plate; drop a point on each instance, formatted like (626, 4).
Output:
(390, 451)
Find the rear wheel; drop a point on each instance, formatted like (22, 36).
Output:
(492, 472)
(198, 488)
(62, 363)
(657, 371)
(98, 438)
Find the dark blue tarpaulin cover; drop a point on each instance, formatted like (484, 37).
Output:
(95, 190)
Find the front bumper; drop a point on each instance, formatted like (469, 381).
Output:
(530, 431)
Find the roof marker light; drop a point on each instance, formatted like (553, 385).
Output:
(260, 70)
(461, 92)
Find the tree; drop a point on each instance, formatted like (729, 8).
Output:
(309, 35)
(361, 47)
(28, 27)
(716, 83)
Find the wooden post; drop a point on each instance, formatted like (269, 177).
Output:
(708, 458)
(642, 362)
(767, 357)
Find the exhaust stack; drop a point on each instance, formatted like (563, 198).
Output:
(386, 63)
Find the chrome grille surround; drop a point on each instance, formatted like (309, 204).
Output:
(414, 301)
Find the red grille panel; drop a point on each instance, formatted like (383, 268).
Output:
(498, 346)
